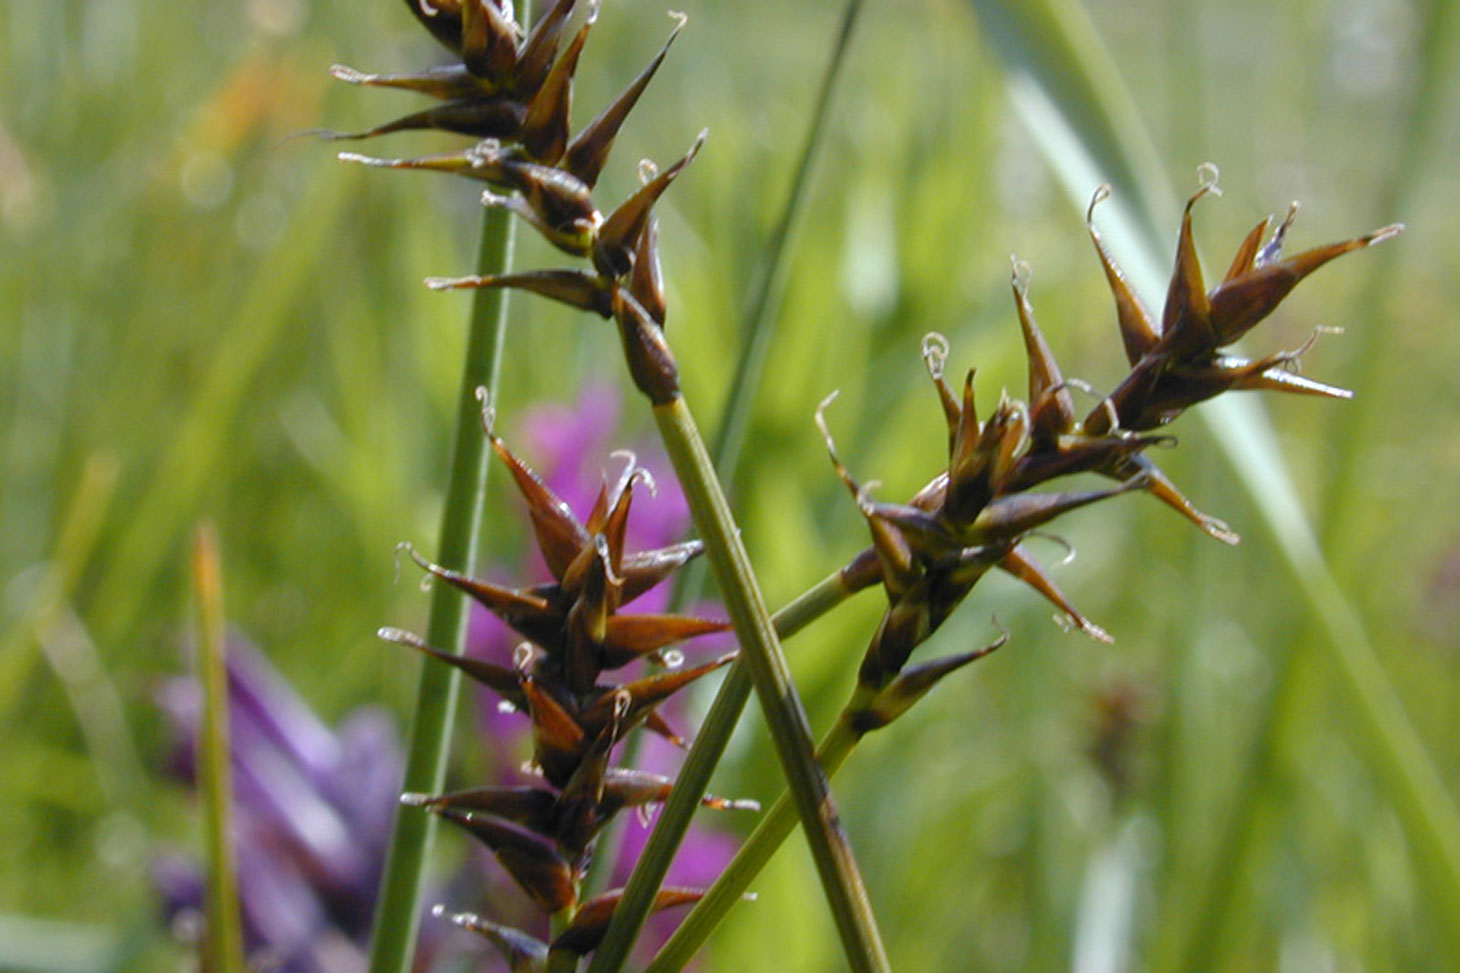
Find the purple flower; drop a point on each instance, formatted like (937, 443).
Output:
(311, 818)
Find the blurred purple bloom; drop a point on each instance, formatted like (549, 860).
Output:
(312, 813)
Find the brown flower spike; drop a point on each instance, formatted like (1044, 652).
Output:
(976, 514)
(543, 834)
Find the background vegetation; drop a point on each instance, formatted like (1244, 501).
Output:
(203, 318)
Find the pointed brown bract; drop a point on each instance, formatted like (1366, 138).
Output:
(501, 680)
(1161, 487)
(579, 806)
(1016, 561)
(911, 685)
(1051, 410)
(629, 637)
(442, 18)
(979, 467)
(643, 695)
(488, 40)
(576, 288)
(559, 535)
(447, 82)
(531, 807)
(636, 788)
(644, 570)
(1137, 330)
(532, 860)
(1246, 256)
(484, 117)
(1239, 303)
(545, 132)
(614, 248)
(557, 738)
(1015, 515)
(540, 48)
(589, 149)
(646, 280)
(1186, 318)
(523, 953)
(650, 361)
(590, 923)
(935, 355)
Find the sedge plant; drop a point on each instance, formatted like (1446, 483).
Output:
(509, 89)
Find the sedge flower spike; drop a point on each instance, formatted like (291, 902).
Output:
(980, 510)
(543, 834)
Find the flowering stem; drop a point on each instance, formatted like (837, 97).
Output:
(786, 718)
(724, 714)
(694, 777)
(397, 911)
(774, 827)
(225, 937)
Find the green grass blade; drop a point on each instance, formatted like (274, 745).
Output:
(398, 910)
(774, 827)
(224, 945)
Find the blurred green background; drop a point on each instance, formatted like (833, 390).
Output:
(201, 318)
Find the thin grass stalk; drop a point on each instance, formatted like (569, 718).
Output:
(774, 827)
(398, 909)
(1075, 140)
(785, 716)
(704, 756)
(224, 942)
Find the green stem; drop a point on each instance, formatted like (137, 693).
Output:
(774, 827)
(561, 960)
(786, 718)
(397, 912)
(694, 777)
(225, 935)
(758, 329)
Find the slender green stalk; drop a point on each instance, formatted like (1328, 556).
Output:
(694, 776)
(561, 960)
(225, 932)
(774, 827)
(786, 718)
(397, 911)
(758, 329)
